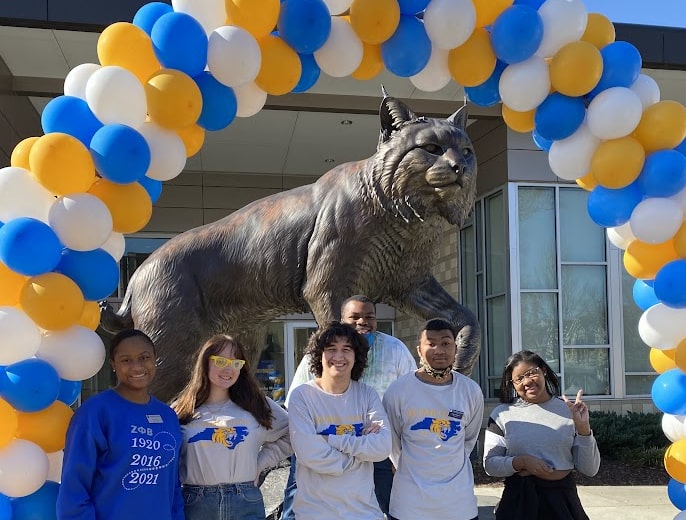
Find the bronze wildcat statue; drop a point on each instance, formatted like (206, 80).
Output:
(366, 227)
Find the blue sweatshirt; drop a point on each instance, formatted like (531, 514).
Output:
(121, 461)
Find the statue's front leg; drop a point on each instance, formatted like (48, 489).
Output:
(429, 300)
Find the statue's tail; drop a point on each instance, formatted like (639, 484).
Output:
(112, 321)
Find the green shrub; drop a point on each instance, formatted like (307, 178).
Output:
(635, 438)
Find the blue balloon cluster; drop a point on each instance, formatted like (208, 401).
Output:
(148, 14)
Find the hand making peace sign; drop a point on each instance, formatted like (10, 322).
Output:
(579, 414)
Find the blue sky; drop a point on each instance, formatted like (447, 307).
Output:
(668, 13)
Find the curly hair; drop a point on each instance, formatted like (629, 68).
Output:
(508, 394)
(325, 336)
(123, 334)
(245, 392)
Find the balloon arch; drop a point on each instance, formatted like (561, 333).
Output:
(127, 124)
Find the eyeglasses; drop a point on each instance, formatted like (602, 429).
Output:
(223, 362)
(529, 374)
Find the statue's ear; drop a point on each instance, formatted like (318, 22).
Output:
(459, 118)
(393, 114)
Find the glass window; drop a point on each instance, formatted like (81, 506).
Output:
(639, 384)
(468, 268)
(540, 331)
(498, 344)
(496, 245)
(270, 371)
(587, 369)
(584, 305)
(537, 251)
(581, 239)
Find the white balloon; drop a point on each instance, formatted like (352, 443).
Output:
(570, 158)
(55, 466)
(656, 220)
(19, 336)
(233, 56)
(81, 221)
(167, 152)
(674, 426)
(76, 353)
(621, 236)
(115, 246)
(23, 468)
(435, 75)
(250, 99)
(564, 21)
(523, 86)
(21, 195)
(115, 95)
(209, 13)
(77, 78)
(680, 516)
(342, 52)
(662, 327)
(338, 6)
(449, 23)
(647, 89)
(614, 113)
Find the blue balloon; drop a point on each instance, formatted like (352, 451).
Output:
(69, 392)
(677, 494)
(219, 104)
(179, 42)
(670, 284)
(70, 115)
(534, 4)
(29, 246)
(5, 508)
(152, 186)
(609, 208)
(408, 51)
(95, 272)
(120, 153)
(412, 7)
(542, 143)
(147, 15)
(669, 392)
(39, 505)
(309, 75)
(30, 385)
(517, 33)
(305, 25)
(559, 116)
(682, 147)
(663, 174)
(644, 294)
(621, 66)
(487, 94)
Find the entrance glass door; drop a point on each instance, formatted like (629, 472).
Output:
(297, 335)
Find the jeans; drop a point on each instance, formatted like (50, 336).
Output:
(242, 501)
(383, 481)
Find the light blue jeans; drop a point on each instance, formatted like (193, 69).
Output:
(242, 501)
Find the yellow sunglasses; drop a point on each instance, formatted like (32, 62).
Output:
(223, 362)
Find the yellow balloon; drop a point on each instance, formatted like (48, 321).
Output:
(52, 300)
(473, 62)
(374, 21)
(193, 138)
(90, 315)
(679, 240)
(281, 67)
(128, 46)
(372, 63)
(599, 30)
(662, 360)
(575, 69)
(258, 17)
(518, 121)
(662, 126)
(675, 460)
(11, 284)
(642, 260)
(618, 162)
(488, 10)
(20, 154)
(62, 164)
(8, 423)
(174, 99)
(587, 182)
(129, 204)
(47, 428)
